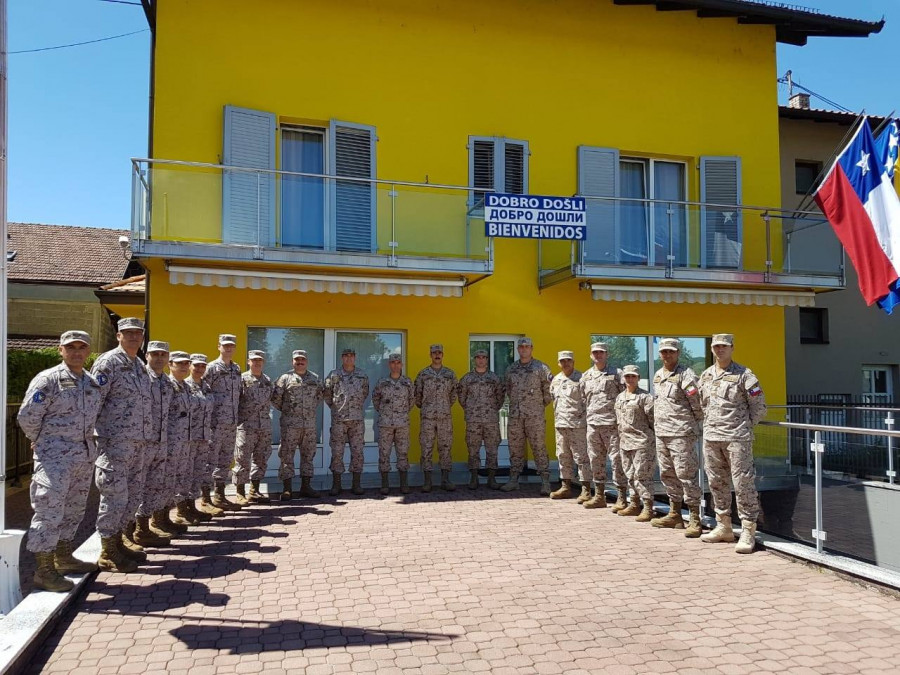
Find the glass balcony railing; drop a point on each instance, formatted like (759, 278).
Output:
(307, 217)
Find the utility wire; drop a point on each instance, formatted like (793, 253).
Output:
(123, 2)
(794, 83)
(79, 44)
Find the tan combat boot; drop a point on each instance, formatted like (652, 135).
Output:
(585, 492)
(747, 542)
(473, 479)
(426, 483)
(111, 558)
(206, 505)
(129, 549)
(286, 492)
(144, 536)
(672, 519)
(336, 487)
(621, 501)
(646, 514)
(545, 484)
(240, 497)
(128, 532)
(492, 480)
(46, 576)
(598, 501)
(566, 490)
(199, 516)
(633, 509)
(723, 533)
(446, 483)
(182, 515)
(256, 495)
(512, 484)
(306, 489)
(404, 482)
(66, 563)
(158, 526)
(385, 483)
(695, 526)
(356, 487)
(219, 500)
(169, 524)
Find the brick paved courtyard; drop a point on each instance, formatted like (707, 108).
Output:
(467, 583)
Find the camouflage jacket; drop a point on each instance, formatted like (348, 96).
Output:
(435, 392)
(392, 400)
(568, 401)
(225, 386)
(125, 386)
(346, 393)
(733, 403)
(297, 397)
(676, 402)
(528, 388)
(161, 392)
(256, 396)
(481, 396)
(634, 415)
(600, 388)
(201, 410)
(179, 422)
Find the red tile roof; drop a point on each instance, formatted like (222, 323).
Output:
(65, 254)
(29, 342)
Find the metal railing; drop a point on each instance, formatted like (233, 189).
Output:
(18, 447)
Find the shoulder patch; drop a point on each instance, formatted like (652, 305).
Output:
(102, 379)
(39, 396)
(755, 390)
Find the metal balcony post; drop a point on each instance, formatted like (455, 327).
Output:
(393, 242)
(891, 474)
(258, 253)
(768, 220)
(670, 257)
(818, 534)
(806, 433)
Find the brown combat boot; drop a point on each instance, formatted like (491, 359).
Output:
(385, 483)
(404, 482)
(633, 509)
(287, 493)
(47, 577)
(621, 501)
(473, 479)
(206, 505)
(722, 533)
(306, 489)
(158, 526)
(426, 483)
(111, 558)
(492, 480)
(66, 563)
(130, 549)
(170, 525)
(182, 516)
(512, 484)
(128, 533)
(256, 495)
(672, 519)
(446, 483)
(240, 497)
(545, 484)
(598, 501)
(218, 499)
(695, 525)
(356, 487)
(747, 542)
(566, 490)
(144, 536)
(585, 492)
(646, 514)
(199, 516)
(336, 487)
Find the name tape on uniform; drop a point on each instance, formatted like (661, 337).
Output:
(534, 217)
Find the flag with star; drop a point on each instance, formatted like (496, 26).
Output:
(859, 201)
(886, 150)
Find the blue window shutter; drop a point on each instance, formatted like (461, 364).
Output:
(248, 198)
(515, 167)
(352, 154)
(720, 183)
(598, 176)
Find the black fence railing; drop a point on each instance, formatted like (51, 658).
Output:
(18, 448)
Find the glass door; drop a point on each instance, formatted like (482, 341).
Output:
(302, 197)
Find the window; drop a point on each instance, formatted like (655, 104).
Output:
(813, 325)
(302, 197)
(877, 384)
(641, 223)
(805, 175)
(499, 164)
(634, 349)
(501, 351)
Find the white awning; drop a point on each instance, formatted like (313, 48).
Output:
(703, 296)
(315, 283)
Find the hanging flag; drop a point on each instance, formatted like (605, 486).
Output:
(886, 148)
(862, 207)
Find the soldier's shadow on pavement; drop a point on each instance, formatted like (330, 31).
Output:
(131, 599)
(208, 567)
(236, 533)
(200, 548)
(289, 635)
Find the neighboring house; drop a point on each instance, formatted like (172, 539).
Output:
(841, 347)
(54, 271)
(422, 109)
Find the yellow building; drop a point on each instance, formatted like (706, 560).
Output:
(665, 120)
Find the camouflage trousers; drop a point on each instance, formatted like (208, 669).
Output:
(221, 453)
(533, 430)
(678, 467)
(638, 465)
(59, 493)
(120, 480)
(603, 442)
(252, 450)
(571, 451)
(487, 433)
(201, 472)
(159, 473)
(342, 433)
(440, 430)
(728, 461)
(291, 437)
(182, 472)
(398, 437)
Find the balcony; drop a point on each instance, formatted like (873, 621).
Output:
(191, 211)
(652, 250)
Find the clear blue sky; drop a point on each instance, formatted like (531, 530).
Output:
(77, 115)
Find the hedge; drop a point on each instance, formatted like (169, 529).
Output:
(23, 365)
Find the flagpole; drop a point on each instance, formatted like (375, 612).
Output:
(887, 120)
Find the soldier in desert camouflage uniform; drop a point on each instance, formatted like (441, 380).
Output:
(599, 386)
(201, 433)
(224, 379)
(634, 416)
(123, 428)
(481, 396)
(733, 403)
(58, 415)
(346, 390)
(435, 387)
(677, 414)
(297, 396)
(528, 386)
(393, 399)
(569, 421)
(254, 435)
(179, 440)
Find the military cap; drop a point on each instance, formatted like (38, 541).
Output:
(227, 339)
(299, 354)
(157, 346)
(723, 339)
(348, 350)
(130, 323)
(437, 347)
(179, 356)
(631, 370)
(395, 357)
(71, 336)
(566, 355)
(670, 343)
(198, 358)
(599, 347)
(256, 354)
(524, 342)
(481, 352)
